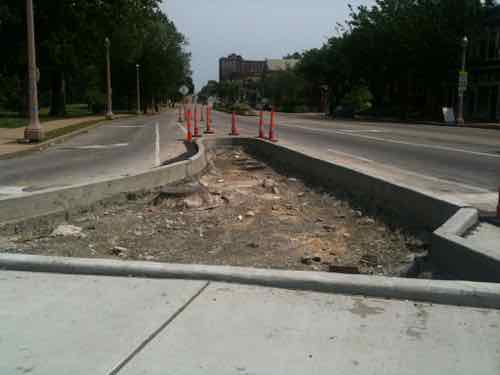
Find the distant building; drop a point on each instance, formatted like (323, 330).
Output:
(483, 95)
(275, 65)
(234, 67)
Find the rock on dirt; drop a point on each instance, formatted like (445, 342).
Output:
(268, 183)
(370, 260)
(119, 251)
(310, 259)
(343, 269)
(66, 230)
(330, 227)
(367, 221)
(194, 201)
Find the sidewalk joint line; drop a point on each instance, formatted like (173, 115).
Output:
(151, 337)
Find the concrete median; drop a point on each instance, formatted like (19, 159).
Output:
(409, 207)
(53, 201)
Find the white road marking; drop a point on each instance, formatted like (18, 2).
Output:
(183, 129)
(95, 147)
(10, 190)
(157, 145)
(350, 155)
(435, 147)
(414, 174)
(126, 126)
(364, 131)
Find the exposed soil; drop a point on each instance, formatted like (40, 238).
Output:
(241, 213)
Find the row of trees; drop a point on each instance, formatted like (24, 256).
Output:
(397, 57)
(71, 54)
(405, 53)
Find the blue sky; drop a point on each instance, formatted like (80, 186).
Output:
(255, 29)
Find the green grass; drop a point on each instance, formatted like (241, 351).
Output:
(69, 129)
(12, 120)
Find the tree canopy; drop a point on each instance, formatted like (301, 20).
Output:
(404, 51)
(71, 53)
(397, 57)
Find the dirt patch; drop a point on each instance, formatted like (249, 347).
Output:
(241, 213)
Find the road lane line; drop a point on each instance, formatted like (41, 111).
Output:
(94, 147)
(157, 145)
(11, 190)
(350, 155)
(126, 126)
(183, 129)
(413, 174)
(423, 145)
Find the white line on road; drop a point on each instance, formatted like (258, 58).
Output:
(10, 190)
(157, 145)
(414, 174)
(183, 129)
(350, 155)
(435, 147)
(126, 126)
(364, 131)
(95, 147)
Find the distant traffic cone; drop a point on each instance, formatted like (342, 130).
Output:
(189, 132)
(261, 125)
(272, 136)
(234, 127)
(209, 121)
(197, 133)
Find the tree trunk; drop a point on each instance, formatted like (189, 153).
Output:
(58, 95)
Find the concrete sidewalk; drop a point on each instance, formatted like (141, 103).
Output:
(55, 324)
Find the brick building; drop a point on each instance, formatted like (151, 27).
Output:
(234, 67)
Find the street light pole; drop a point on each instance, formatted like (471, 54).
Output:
(462, 85)
(34, 131)
(109, 110)
(138, 90)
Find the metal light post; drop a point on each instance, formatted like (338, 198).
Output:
(462, 86)
(138, 90)
(109, 110)
(34, 131)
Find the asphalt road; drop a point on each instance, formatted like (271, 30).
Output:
(465, 159)
(117, 148)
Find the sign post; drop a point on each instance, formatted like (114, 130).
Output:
(462, 83)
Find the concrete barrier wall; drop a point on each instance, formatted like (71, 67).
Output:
(59, 200)
(451, 252)
(454, 254)
(410, 207)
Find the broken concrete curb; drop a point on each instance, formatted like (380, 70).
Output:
(453, 253)
(51, 201)
(415, 209)
(457, 293)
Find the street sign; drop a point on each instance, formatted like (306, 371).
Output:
(184, 90)
(463, 80)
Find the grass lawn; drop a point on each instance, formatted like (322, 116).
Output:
(68, 129)
(11, 120)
